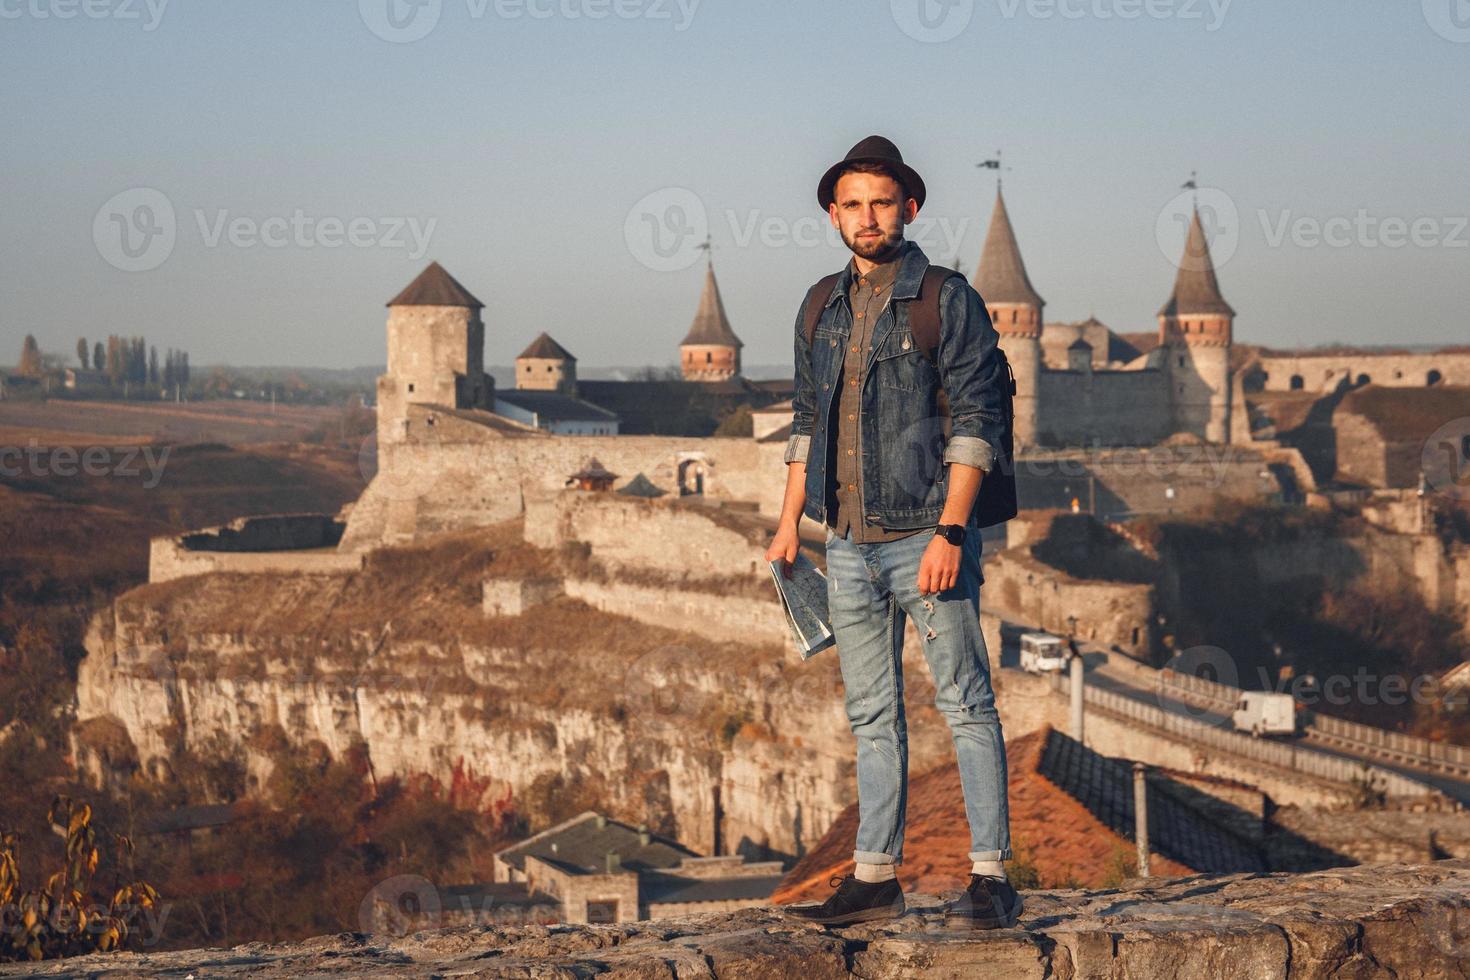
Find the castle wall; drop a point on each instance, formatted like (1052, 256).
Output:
(1325, 372)
(670, 536)
(1021, 588)
(281, 543)
(1102, 408)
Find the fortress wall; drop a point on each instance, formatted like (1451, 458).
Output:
(168, 560)
(1131, 480)
(1360, 449)
(1390, 562)
(1108, 613)
(1105, 408)
(1325, 372)
(666, 534)
(282, 543)
(728, 619)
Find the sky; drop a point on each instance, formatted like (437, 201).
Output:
(253, 181)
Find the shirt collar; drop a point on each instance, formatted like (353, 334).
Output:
(883, 274)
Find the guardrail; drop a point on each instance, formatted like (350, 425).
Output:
(1282, 755)
(1365, 739)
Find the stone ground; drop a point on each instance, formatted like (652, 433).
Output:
(1399, 920)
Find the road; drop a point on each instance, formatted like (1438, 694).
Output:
(1128, 678)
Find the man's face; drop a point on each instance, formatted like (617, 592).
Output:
(867, 210)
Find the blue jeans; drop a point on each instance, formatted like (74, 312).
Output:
(871, 589)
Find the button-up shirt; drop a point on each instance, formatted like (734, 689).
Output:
(868, 296)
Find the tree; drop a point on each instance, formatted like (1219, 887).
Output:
(114, 358)
(83, 351)
(30, 358)
(153, 366)
(184, 367)
(99, 356)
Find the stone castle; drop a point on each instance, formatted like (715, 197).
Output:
(1078, 384)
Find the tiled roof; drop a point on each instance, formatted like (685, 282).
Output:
(555, 406)
(1071, 812)
(544, 346)
(1196, 290)
(581, 845)
(641, 486)
(435, 287)
(1105, 786)
(1001, 276)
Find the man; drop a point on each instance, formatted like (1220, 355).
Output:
(868, 456)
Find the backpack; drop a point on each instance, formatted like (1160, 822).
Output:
(996, 501)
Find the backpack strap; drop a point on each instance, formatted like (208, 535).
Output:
(816, 302)
(924, 311)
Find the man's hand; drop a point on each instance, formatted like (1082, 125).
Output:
(940, 567)
(784, 545)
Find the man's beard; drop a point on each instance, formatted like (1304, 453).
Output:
(879, 248)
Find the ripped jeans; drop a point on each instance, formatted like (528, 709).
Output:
(872, 588)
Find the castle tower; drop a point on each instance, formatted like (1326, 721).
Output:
(1196, 326)
(546, 366)
(436, 351)
(710, 351)
(1015, 309)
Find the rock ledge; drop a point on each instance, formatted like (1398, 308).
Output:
(1369, 920)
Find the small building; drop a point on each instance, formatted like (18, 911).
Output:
(546, 365)
(594, 476)
(642, 486)
(80, 378)
(555, 412)
(600, 870)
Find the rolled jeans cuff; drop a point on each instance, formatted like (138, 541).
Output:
(971, 451)
(797, 447)
(874, 857)
(1004, 854)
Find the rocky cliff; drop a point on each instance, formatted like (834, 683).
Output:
(729, 747)
(1406, 920)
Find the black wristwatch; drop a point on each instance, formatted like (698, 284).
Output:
(953, 533)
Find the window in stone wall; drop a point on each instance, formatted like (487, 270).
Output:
(602, 913)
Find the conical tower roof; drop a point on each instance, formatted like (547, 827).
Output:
(544, 346)
(1001, 276)
(711, 326)
(1196, 290)
(435, 287)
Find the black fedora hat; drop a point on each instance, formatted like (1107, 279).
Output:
(874, 149)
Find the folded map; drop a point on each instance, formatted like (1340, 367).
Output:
(804, 601)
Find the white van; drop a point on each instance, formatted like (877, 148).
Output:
(1265, 713)
(1042, 653)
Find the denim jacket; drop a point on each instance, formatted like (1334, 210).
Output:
(905, 446)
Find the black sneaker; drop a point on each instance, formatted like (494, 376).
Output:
(854, 901)
(986, 903)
